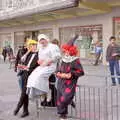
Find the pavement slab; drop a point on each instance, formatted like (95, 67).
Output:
(9, 92)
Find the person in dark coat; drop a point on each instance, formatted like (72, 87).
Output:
(68, 72)
(22, 50)
(30, 64)
(113, 57)
(10, 52)
(4, 53)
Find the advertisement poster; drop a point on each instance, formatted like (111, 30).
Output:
(116, 28)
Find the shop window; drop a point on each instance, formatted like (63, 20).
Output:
(88, 36)
(116, 28)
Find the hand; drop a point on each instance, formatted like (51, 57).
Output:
(58, 74)
(19, 66)
(49, 62)
(68, 75)
(25, 68)
(40, 62)
(64, 75)
(114, 54)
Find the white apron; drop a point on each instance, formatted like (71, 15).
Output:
(38, 82)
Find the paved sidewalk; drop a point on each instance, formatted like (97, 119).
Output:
(9, 91)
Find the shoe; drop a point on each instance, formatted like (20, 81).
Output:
(25, 114)
(51, 104)
(44, 103)
(95, 64)
(63, 117)
(16, 111)
(73, 104)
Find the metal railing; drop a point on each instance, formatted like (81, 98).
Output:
(96, 102)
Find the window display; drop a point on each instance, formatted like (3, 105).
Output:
(88, 36)
(116, 29)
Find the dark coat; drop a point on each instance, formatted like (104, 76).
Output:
(4, 52)
(20, 53)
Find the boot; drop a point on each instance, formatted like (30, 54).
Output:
(73, 104)
(16, 111)
(25, 107)
(25, 114)
(44, 102)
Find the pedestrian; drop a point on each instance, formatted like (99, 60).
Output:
(38, 83)
(98, 52)
(4, 53)
(113, 56)
(68, 72)
(29, 65)
(10, 52)
(21, 51)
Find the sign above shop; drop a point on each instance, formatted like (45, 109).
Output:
(116, 28)
(20, 8)
(117, 19)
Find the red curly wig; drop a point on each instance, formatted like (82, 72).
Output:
(73, 51)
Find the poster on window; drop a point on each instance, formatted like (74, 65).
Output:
(116, 28)
(88, 36)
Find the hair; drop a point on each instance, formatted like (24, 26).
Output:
(73, 51)
(112, 37)
(55, 41)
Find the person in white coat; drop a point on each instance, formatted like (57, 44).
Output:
(48, 55)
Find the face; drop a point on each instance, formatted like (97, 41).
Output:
(33, 48)
(43, 42)
(66, 53)
(112, 41)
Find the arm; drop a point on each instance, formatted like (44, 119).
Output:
(77, 69)
(17, 61)
(108, 53)
(23, 58)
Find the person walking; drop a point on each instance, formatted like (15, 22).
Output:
(29, 65)
(112, 56)
(10, 52)
(98, 52)
(68, 72)
(4, 53)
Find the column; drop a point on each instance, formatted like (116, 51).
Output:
(56, 31)
(12, 41)
(107, 33)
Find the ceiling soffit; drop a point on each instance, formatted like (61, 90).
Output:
(84, 8)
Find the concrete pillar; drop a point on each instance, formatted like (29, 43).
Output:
(12, 40)
(107, 33)
(56, 31)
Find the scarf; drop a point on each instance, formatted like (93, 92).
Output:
(68, 59)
